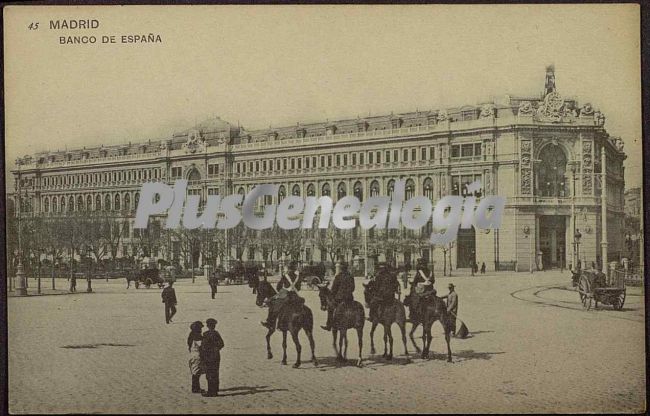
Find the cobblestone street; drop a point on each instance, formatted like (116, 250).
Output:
(532, 348)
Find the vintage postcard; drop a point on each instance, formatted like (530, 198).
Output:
(324, 209)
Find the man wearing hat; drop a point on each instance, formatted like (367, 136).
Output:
(169, 299)
(287, 289)
(452, 307)
(211, 356)
(421, 286)
(386, 285)
(342, 290)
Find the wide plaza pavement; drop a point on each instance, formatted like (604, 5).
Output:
(532, 349)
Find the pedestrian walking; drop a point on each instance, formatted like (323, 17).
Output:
(194, 340)
(452, 307)
(483, 268)
(169, 299)
(211, 356)
(73, 283)
(213, 282)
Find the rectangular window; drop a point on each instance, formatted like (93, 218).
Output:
(432, 153)
(467, 150)
(414, 154)
(307, 163)
(293, 163)
(284, 164)
(257, 166)
(177, 172)
(354, 158)
(329, 161)
(423, 153)
(378, 157)
(345, 160)
(299, 163)
(387, 156)
(477, 149)
(455, 151)
(395, 155)
(338, 160)
(264, 165)
(361, 158)
(405, 155)
(250, 166)
(370, 155)
(322, 161)
(313, 161)
(277, 164)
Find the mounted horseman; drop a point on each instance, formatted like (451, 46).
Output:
(343, 312)
(421, 288)
(287, 294)
(384, 287)
(342, 291)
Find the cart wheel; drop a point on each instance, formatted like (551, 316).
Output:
(148, 283)
(584, 289)
(619, 301)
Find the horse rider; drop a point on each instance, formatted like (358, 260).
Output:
(287, 289)
(387, 286)
(421, 287)
(342, 291)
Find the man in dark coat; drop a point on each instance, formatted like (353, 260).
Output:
(452, 307)
(73, 283)
(211, 356)
(169, 299)
(342, 290)
(386, 285)
(213, 282)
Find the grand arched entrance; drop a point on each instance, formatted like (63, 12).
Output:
(552, 240)
(466, 248)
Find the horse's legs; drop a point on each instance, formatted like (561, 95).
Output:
(402, 328)
(296, 341)
(372, 338)
(427, 342)
(390, 339)
(447, 339)
(284, 347)
(269, 355)
(312, 345)
(339, 356)
(345, 337)
(413, 328)
(334, 338)
(360, 339)
(385, 341)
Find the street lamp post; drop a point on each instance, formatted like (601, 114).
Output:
(530, 246)
(21, 287)
(576, 238)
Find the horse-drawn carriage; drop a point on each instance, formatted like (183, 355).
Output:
(594, 287)
(150, 273)
(314, 275)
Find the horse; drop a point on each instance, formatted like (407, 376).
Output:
(430, 309)
(314, 274)
(291, 318)
(132, 277)
(393, 312)
(347, 315)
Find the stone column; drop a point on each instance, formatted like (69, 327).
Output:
(603, 207)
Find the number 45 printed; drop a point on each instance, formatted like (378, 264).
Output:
(33, 26)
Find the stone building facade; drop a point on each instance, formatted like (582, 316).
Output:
(544, 153)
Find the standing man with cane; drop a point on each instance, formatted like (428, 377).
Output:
(169, 299)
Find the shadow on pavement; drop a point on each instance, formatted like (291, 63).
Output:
(246, 390)
(331, 363)
(90, 346)
(465, 355)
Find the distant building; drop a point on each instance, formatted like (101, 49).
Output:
(543, 153)
(633, 206)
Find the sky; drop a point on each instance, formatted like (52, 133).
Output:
(277, 65)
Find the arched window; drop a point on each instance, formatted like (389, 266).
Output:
(55, 204)
(551, 172)
(89, 203)
(71, 203)
(374, 188)
(390, 187)
(326, 191)
(341, 190)
(194, 175)
(427, 188)
(295, 191)
(80, 203)
(137, 199)
(117, 205)
(127, 202)
(282, 192)
(241, 191)
(358, 190)
(410, 189)
(107, 203)
(46, 205)
(62, 204)
(98, 203)
(311, 190)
